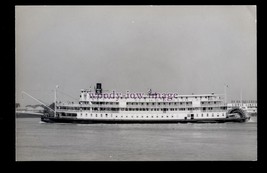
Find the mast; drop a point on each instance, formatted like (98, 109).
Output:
(225, 94)
(55, 112)
(241, 102)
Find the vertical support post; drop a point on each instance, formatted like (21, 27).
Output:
(55, 112)
(241, 99)
(225, 94)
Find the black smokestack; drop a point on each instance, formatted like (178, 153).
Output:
(98, 89)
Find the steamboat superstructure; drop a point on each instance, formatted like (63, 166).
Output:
(98, 107)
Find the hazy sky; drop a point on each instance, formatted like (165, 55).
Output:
(183, 49)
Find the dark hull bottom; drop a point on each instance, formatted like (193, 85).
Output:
(94, 121)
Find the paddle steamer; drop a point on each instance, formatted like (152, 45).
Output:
(95, 106)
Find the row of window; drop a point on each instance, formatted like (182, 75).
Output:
(147, 116)
(69, 108)
(158, 103)
(207, 115)
(106, 103)
(67, 114)
(140, 109)
(210, 102)
(99, 103)
(151, 103)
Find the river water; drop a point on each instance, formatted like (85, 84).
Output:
(36, 141)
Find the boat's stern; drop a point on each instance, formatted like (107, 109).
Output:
(238, 114)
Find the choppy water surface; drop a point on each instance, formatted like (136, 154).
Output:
(37, 141)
